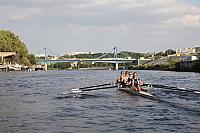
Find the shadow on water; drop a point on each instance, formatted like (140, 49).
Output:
(79, 96)
(178, 104)
(164, 98)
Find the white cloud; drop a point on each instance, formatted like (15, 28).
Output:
(122, 11)
(101, 21)
(13, 13)
(176, 8)
(186, 20)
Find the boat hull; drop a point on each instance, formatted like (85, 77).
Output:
(141, 93)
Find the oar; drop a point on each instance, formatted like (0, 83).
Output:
(78, 90)
(95, 86)
(172, 88)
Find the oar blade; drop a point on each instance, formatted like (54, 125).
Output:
(198, 92)
(76, 90)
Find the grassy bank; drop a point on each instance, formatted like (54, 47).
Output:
(190, 66)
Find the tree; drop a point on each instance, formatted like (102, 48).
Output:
(159, 55)
(9, 42)
(32, 59)
(169, 52)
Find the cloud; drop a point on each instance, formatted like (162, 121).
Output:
(13, 13)
(177, 7)
(186, 20)
(96, 22)
(95, 12)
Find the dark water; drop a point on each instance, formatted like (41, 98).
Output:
(30, 102)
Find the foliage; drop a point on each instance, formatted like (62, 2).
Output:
(169, 52)
(122, 54)
(66, 56)
(131, 54)
(9, 42)
(32, 58)
(159, 55)
(172, 63)
(196, 66)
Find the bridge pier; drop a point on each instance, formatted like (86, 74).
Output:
(116, 66)
(45, 67)
(138, 61)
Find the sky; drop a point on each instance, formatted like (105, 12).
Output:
(99, 25)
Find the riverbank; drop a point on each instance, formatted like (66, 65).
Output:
(183, 66)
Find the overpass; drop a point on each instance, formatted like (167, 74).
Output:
(114, 60)
(105, 60)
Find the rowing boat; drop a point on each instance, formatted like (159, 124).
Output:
(141, 93)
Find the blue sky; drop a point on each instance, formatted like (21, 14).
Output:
(99, 25)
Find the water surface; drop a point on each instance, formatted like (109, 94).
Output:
(32, 102)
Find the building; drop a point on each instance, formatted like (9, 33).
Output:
(197, 49)
(184, 51)
(39, 55)
(185, 57)
(188, 51)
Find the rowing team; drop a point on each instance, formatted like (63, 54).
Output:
(130, 80)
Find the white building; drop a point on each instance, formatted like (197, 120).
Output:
(197, 49)
(40, 55)
(185, 51)
(185, 57)
(188, 51)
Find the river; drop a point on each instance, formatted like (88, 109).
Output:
(31, 102)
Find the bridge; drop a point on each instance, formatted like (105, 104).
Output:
(116, 61)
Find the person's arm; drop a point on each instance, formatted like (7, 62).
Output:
(129, 82)
(118, 79)
(141, 82)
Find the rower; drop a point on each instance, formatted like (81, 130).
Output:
(129, 81)
(120, 79)
(126, 78)
(137, 82)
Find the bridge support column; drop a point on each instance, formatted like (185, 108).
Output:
(45, 67)
(138, 61)
(116, 66)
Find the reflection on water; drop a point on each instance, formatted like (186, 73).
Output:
(32, 102)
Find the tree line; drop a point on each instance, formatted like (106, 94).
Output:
(122, 54)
